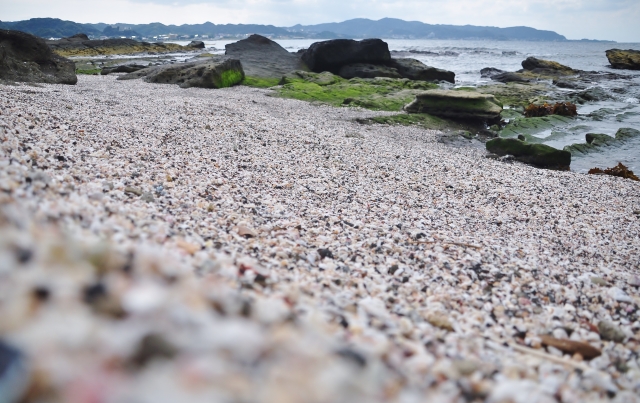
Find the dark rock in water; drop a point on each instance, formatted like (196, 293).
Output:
(540, 155)
(596, 141)
(208, 73)
(262, 57)
(546, 66)
(509, 77)
(457, 105)
(416, 70)
(598, 138)
(624, 59)
(27, 58)
(593, 94)
(125, 68)
(365, 70)
(569, 84)
(489, 72)
(196, 45)
(332, 55)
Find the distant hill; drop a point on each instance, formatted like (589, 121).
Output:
(50, 27)
(392, 27)
(356, 28)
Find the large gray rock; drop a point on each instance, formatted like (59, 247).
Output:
(210, 73)
(262, 57)
(27, 58)
(624, 59)
(416, 70)
(334, 54)
(457, 105)
(365, 70)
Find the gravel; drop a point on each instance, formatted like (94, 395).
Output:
(166, 244)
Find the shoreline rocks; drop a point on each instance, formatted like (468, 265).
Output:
(594, 141)
(624, 59)
(262, 57)
(332, 55)
(27, 58)
(202, 74)
(540, 155)
(80, 45)
(457, 105)
(416, 70)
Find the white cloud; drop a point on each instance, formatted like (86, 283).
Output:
(576, 19)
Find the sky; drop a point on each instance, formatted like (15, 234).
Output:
(617, 20)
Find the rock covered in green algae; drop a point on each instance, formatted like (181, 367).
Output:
(457, 105)
(595, 141)
(624, 59)
(540, 155)
(388, 94)
(204, 74)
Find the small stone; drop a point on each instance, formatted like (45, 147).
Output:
(619, 295)
(246, 232)
(132, 191)
(610, 332)
(586, 350)
(148, 197)
(325, 253)
(440, 320)
(599, 281)
(152, 347)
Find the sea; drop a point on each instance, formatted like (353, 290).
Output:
(467, 57)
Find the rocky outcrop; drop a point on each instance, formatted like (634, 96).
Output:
(322, 79)
(210, 73)
(595, 141)
(365, 70)
(80, 45)
(540, 155)
(416, 70)
(196, 45)
(546, 67)
(334, 54)
(624, 59)
(457, 105)
(27, 58)
(125, 68)
(262, 57)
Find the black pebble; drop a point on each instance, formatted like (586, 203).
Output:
(325, 253)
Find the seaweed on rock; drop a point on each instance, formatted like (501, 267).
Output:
(560, 108)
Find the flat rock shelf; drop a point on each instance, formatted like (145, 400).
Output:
(167, 244)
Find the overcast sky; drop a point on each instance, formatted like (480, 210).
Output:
(576, 19)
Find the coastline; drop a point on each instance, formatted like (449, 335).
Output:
(376, 241)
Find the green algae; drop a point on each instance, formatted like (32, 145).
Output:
(386, 94)
(229, 78)
(91, 72)
(260, 82)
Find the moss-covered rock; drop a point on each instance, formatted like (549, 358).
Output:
(457, 105)
(624, 59)
(80, 47)
(388, 94)
(531, 126)
(540, 155)
(546, 67)
(204, 74)
(324, 78)
(595, 142)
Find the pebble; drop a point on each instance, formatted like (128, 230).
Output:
(278, 249)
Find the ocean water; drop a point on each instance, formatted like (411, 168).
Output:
(467, 58)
